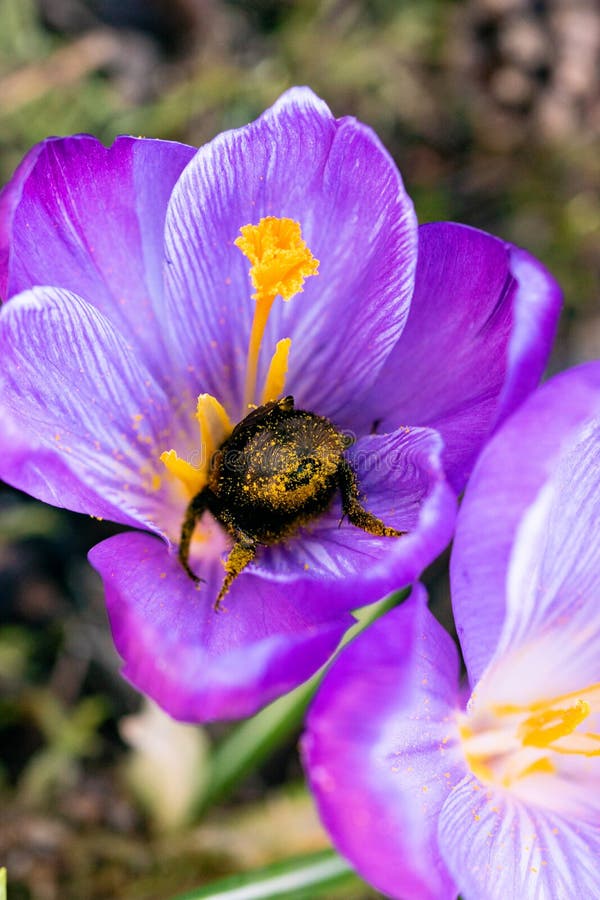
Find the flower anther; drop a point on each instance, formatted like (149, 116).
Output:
(505, 743)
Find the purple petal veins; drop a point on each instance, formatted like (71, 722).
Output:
(91, 220)
(84, 416)
(358, 221)
(494, 506)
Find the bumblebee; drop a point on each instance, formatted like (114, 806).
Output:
(278, 470)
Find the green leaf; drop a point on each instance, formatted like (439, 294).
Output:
(2, 884)
(295, 879)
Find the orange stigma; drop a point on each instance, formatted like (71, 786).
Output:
(280, 263)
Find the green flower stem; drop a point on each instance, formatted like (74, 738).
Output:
(296, 879)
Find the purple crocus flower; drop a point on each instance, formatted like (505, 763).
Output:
(500, 799)
(157, 293)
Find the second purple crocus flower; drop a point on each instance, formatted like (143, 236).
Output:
(155, 294)
(501, 798)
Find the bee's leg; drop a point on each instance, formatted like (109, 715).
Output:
(242, 552)
(353, 508)
(196, 507)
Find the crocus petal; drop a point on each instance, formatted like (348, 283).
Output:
(498, 847)
(401, 481)
(199, 664)
(335, 179)
(381, 754)
(555, 567)
(10, 196)
(481, 325)
(536, 308)
(83, 417)
(512, 470)
(552, 610)
(91, 219)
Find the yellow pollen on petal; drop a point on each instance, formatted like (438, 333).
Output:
(275, 380)
(280, 261)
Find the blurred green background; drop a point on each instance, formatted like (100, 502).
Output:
(492, 110)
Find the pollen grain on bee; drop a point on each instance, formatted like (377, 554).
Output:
(364, 460)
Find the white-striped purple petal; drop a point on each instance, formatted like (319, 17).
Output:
(336, 180)
(498, 847)
(381, 750)
(84, 420)
(90, 219)
(514, 467)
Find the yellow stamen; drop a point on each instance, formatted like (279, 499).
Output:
(542, 729)
(579, 744)
(509, 709)
(215, 428)
(275, 380)
(541, 766)
(191, 477)
(281, 262)
(506, 742)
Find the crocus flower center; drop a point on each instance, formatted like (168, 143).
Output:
(281, 262)
(279, 467)
(505, 743)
